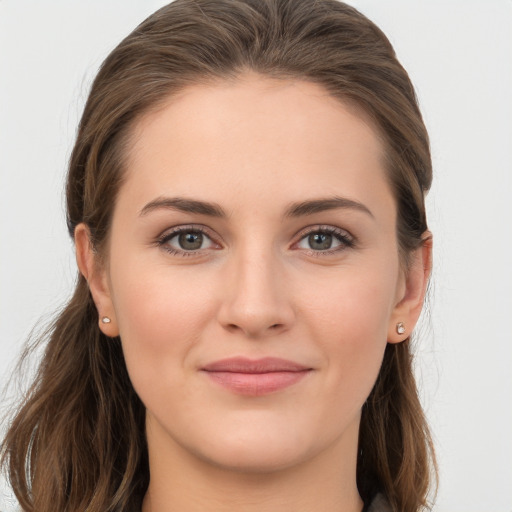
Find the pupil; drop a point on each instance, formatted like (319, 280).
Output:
(320, 241)
(191, 241)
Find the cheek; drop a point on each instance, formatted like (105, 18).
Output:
(353, 306)
(161, 316)
(350, 323)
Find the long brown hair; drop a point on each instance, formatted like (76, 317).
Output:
(77, 442)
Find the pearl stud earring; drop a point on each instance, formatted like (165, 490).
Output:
(106, 320)
(400, 328)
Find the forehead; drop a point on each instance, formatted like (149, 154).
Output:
(255, 135)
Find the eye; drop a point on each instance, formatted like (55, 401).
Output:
(326, 239)
(185, 240)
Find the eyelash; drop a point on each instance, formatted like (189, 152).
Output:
(343, 237)
(347, 241)
(163, 240)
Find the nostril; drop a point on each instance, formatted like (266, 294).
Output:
(234, 327)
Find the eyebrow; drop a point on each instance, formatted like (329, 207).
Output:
(320, 205)
(300, 209)
(184, 205)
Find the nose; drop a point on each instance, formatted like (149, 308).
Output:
(255, 300)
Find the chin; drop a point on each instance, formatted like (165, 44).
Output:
(263, 447)
(256, 458)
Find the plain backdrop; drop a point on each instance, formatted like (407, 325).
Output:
(459, 56)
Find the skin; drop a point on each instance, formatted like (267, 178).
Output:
(255, 288)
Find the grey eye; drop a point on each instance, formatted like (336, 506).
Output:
(188, 240)
(320, 241)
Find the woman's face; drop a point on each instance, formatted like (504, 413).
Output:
(253, 272)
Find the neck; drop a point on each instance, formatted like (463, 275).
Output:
(183, 481)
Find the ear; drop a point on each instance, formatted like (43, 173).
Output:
(411, 292)
(94, 272)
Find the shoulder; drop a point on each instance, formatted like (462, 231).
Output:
(378, 504)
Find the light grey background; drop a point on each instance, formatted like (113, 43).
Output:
(459, 55)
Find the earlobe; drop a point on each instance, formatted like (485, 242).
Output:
(407, 311)
(96, 277)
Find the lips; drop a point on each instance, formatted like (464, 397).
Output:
(255, 377)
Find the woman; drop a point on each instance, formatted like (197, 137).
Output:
(246, 195)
